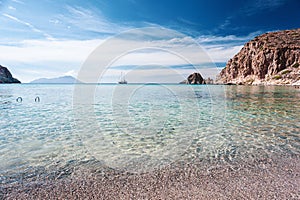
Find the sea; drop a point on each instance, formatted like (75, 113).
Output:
(49, 128)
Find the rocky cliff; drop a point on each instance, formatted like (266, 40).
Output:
(6, 77)
(271, 58)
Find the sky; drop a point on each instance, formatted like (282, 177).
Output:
(49, 38)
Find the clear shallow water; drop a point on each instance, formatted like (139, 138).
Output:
(142, 127)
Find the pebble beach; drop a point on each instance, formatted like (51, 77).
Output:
(269, 178)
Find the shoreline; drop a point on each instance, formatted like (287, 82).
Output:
(276, 177)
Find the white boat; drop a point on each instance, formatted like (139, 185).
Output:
(122, 79)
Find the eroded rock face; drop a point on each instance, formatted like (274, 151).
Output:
(6, 77)
(271, 58)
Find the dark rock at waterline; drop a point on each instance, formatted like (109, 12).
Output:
(194, 78)
(6, 77)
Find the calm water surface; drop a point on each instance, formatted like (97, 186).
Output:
(142, 127)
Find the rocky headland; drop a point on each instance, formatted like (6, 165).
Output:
(6, 77)
(269, 59)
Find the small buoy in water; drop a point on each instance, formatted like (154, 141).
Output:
(19, 99)
(37, 99)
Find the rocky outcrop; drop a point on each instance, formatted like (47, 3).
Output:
(194, 78)
(209, 81)
(184, 82)
(271, 58)
(6, 77)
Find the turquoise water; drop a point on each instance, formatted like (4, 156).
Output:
(142, 127)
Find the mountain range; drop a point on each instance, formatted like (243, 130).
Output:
(62, 79)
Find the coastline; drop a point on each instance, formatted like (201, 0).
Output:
(242, 174)
(275, 177)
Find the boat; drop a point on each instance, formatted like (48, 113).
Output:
(122, 79)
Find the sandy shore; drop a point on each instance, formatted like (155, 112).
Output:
(270, 178)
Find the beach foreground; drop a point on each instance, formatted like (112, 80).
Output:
(276, 177)
(241, 143)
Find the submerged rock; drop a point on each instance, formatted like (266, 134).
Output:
(271, 58)
(6, 77)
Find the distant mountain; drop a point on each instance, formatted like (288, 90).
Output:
(6, 77)
(63, 79)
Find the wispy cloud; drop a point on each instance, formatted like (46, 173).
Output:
(11, 8)
(71, 73)
(261, 5)
(31, 59)
(231, 39)
(178, 66)
(222, 48)
(223, 54)
(188, 22)
(66, 56)
(248, 9)
(158, 49)
(90, 20)
(32, 27)
(225, 24)
(18, 1)
(37, 51)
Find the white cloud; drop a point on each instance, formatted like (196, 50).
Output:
(204, 39)
(254, 7)
(18, 1)
(33, 28)
(55, 21)
(31, 59)
(156, 57)
(222, 48)
(223, 54)
(11, 8)
(36, 51)
(71, 73)
(89, 20)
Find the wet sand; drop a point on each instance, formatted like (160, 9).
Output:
(268, 178)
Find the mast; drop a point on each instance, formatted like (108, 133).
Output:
(122, 79)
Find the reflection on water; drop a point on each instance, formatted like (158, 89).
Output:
(136, 127)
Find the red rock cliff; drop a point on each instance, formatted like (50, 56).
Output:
(271, 58)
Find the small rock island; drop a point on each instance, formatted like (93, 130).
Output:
(6, 77)
(269, 59)
(194, 78)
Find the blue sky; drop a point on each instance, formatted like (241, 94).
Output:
(49, 38)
